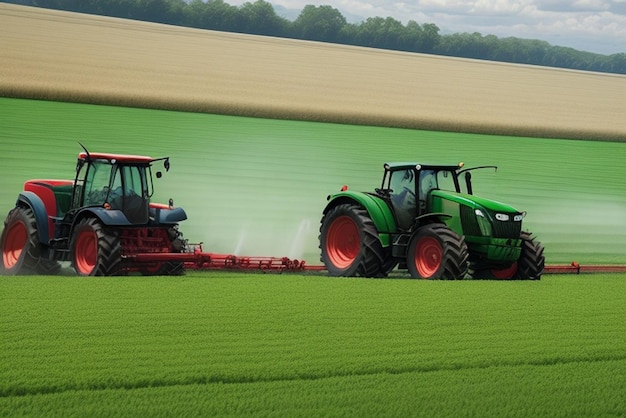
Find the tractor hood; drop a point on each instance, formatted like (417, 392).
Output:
(475, 202)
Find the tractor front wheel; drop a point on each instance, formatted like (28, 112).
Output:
(95, 251)
(19, 242)
(531, 261)
(437, 252)
(349, 243)
(529, 266)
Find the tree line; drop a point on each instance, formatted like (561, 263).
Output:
(327, 24)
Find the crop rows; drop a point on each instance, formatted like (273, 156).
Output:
(259, 335)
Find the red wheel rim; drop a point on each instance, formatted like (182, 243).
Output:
(14, 243)
(505, 273)
(428, 255)
(343, 242)
(86, 252)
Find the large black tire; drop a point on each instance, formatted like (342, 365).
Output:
(529, 266)
(531, 261)
(20, 242)
(350, 244)
(389, 262)
(437, 252)
(96, 251)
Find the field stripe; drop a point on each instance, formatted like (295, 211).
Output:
(209, 380)
(63, 56)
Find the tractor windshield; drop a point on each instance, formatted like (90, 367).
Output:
(127, 181)
(435, 180)
(129, 192)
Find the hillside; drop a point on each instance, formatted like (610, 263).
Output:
(65, 56)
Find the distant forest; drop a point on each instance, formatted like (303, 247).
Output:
(327, 24)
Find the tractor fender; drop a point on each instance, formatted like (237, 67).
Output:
(106, 216)
(117, 218)
(376, 207)
(34, 202)
(165, 215)
(432, 218)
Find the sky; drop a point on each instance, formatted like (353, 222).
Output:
(588, 25)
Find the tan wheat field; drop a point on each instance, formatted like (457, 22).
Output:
(62, 56)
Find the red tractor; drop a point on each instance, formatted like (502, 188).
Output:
(102, 222)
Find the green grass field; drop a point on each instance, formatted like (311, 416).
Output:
(258, 186)
(228, 344)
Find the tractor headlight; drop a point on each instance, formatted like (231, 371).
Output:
(502, 217)
(483, 223)
(518, 218)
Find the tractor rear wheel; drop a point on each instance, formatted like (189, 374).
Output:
(437, 252)
(350, 244)
(96, 251)
(19, 242)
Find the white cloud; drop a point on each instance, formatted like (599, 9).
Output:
(596, 5)
(588, 25)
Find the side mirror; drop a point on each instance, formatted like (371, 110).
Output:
(166, 164)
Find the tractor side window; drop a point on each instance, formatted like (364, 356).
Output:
(117, 190)
(428, 182)
(402, 195)
(97, 183)
(79, 185)
(135, 181)
(117, 179)
(149, 182)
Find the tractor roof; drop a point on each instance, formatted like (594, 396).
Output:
(420, 166)
(137, 159)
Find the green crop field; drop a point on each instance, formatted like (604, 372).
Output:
(227, 344)
(258, 186)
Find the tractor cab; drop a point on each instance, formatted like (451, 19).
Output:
(115, 182)
(409, 187)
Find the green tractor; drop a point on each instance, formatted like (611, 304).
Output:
(425, 218)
